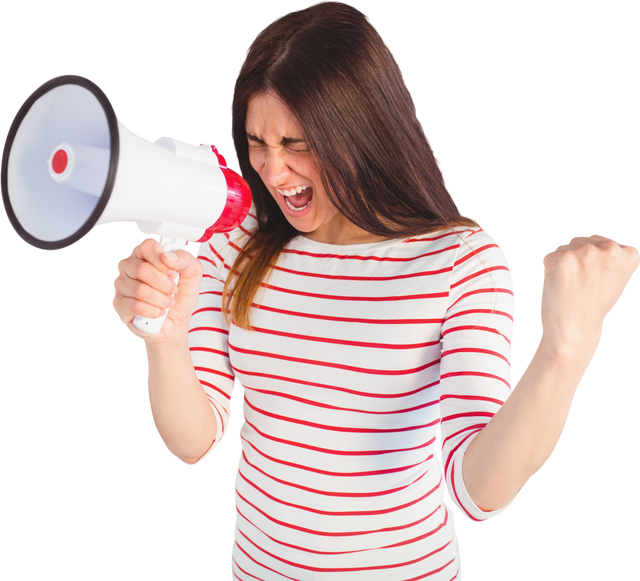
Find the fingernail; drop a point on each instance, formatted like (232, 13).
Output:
(171, 256)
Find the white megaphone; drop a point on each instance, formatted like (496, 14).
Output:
(68, 165)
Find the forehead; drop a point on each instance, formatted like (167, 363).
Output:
(269, 118)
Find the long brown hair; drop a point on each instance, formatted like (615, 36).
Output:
(334, 73)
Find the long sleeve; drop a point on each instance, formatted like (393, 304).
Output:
(475, 369)
(208, 333)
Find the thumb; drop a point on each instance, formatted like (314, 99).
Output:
(184, 263)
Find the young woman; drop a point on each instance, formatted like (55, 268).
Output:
(360, 311)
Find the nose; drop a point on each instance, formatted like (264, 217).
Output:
(275, 169)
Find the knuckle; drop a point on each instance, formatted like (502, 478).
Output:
(145, 271)
(138, 290)
(141, 309)
(149, 247)
(146, 293)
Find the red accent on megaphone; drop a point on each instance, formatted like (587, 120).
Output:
(59, 161)
(236, 208)
(223, 160)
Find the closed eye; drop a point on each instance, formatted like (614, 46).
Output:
(291, 148)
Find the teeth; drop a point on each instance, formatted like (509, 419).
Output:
(292, 191)
(294, 208)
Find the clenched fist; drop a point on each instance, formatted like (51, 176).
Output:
(145, 287)
(583, 280)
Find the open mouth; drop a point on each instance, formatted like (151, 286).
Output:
(299, 201)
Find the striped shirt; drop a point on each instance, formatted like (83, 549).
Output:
(357, 355)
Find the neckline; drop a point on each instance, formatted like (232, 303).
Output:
(302, 241)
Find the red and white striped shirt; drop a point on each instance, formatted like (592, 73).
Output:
(357, 354)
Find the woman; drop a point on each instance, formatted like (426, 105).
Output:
(320, 108)
(360, 311)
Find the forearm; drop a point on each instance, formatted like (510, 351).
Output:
(180, 407)
(521, 436)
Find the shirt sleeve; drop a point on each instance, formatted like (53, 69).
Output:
(209, 332)
(476, 346)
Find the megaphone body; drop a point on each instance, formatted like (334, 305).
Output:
(68, 165)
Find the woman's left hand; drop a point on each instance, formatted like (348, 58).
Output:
(583, 280)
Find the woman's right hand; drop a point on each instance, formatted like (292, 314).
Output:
(145, 287)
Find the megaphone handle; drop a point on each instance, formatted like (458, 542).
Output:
(153, 326)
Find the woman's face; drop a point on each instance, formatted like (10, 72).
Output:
(279, 152)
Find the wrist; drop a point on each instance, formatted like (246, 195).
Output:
(570, 346)
(178, 340)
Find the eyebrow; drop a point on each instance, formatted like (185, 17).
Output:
(285, 140)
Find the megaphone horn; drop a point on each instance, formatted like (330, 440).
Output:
(68, 165)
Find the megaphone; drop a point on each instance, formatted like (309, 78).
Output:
(68, 165)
